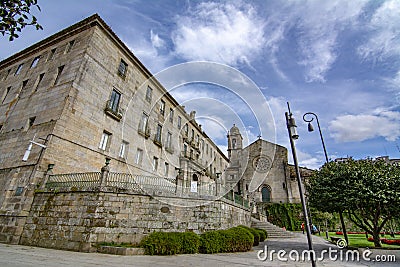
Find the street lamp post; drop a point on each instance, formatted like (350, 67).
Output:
(291, 126)
(310, 129)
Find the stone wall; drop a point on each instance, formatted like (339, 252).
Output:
(78, 220)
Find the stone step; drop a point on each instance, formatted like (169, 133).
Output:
(272, 230)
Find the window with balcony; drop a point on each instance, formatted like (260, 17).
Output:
(122, 68)
(112, 107)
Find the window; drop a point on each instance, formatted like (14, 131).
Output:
(162, 107)
(179, 122)
(166, 168)
(202, 145)
(5, 94)
(105, 139)
(143, 123)
(51, 55)
(139, 156)
(184, 150)
(186, 129)
(155, 164)
(69, 46)
(8, 73)
(59, 71)
(192, 136)
(168, 142)
(19, 191)
(197, 139)
(113, 103)
(35, 61)
(171, 115)
(207, 149)
(158, 134)
(123, 66)
(149, 93)
(30, 123)
(38, 81)
(18, 71)
(123, 149)
(24, 83)
(233, 143)
(266, 194)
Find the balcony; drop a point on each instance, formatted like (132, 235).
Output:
(114, 112)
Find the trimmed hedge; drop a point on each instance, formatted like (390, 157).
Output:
(263, 234)
(236, 239)
(254, 232)
(160, 243)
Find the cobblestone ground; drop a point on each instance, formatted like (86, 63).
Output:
(21, 256)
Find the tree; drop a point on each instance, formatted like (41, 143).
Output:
(15, 15)
(368, 190)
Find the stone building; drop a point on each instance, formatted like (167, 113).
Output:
(83, 95)
(79, 98)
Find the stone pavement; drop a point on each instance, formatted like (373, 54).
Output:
(24, 256)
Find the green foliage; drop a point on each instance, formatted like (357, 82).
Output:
(368, 190)
(285, 215)
(254, 232)
(211, 242)
(160, 243)
(262, 233)
(237, 239)
(15, 15)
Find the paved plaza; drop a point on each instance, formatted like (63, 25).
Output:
(24, 256)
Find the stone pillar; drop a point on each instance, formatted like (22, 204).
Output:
(104, 173)
(47, 174)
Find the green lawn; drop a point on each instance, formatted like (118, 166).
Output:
(360, 241)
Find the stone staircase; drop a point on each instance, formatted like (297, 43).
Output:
(272, 230)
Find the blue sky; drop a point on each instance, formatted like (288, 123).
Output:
(339, 59)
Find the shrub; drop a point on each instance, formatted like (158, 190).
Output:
(255, 234)
(160, 243)
(235, 239)
(211, 242)
(262, 233)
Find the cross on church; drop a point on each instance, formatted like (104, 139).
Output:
(259, 136)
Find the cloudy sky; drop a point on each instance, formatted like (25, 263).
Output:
(338, 59)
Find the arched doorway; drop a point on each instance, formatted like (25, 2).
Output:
(266, 194)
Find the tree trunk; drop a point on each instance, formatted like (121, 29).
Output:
(377, 239)
(343, 227)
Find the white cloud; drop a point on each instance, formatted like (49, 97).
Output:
(319, 23)
(356, 128)
(385, 39)
(230, 33)
(156, 41)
